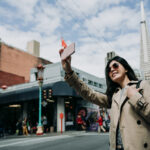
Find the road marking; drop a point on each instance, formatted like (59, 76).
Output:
(11, 140)
(36, 140)
(31, 141)
(89, 133)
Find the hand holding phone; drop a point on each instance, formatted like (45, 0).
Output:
(68, 51)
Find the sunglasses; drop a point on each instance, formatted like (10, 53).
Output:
(114, 66)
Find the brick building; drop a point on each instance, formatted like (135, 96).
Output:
(18, 62)
(10, 79)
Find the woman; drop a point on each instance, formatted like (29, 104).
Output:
(130, 110)
(79, 122)
(100, 127)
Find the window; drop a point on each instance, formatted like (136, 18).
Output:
(36, 75)
(62, 73)
(100, 85)
(84, 79)
(96, 84)
(90, 82)
(33, 77)
(147, 77)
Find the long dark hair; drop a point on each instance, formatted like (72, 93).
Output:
(112, 86)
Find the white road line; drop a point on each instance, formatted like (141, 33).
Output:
(96, 133)
(35, 140)
(32, 141)
(89, 133)
(11, 140)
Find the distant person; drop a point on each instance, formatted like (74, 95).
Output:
(107, 121)
(79, 122)
(19, 127)
(130, 107)
(44, 119)
(100, 122)
(24, 126)
(2, 131)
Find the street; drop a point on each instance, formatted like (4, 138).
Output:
(73, 141)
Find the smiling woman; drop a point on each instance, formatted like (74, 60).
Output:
(118, 74)
(129, 107)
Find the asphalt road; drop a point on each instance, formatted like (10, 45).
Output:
(75, 141)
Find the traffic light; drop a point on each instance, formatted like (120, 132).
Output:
(50, 93)
(44, 94)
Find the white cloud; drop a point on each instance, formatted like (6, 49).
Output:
(125, 42)
(84, 8)
(47, 18)
(116, 19)
(97, 27)
(25, 8)
(17, 38)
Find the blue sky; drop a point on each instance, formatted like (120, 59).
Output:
(96, 26)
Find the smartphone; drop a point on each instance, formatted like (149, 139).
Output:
(68, 51)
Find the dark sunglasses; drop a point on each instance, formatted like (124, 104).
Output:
(114, 66)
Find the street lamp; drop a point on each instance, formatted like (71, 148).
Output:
(40, 69)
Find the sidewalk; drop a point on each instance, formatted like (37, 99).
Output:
(44, 135)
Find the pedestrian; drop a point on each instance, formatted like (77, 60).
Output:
(130, 107)
(19, 127)
(24, 126)
(100, 122)
(44, 120)
(107, 121)
(2, 131)
(79, 122)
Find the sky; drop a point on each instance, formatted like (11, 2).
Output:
(96, 26)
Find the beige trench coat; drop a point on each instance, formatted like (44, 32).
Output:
(134, 121)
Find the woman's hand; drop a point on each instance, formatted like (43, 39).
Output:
(66, 64)
(131, 91)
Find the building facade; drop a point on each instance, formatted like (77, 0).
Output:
(9, 79)
(21, 101)
(109, 56)
(33, 47)
(145, 46)
(18, 62)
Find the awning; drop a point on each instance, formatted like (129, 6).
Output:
(60, 88)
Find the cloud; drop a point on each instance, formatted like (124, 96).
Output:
(25, 8)
(96, 26)
(47, 19)
(16, 37)
(117, 19)
(84, 8)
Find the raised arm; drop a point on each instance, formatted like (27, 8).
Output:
(80, 87)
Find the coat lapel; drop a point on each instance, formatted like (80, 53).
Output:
(124, 95)
(120, 99)
(116, 97)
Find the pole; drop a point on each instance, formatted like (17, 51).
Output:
(39, 127)
(40, 108)
(61, 117)
(61, 125)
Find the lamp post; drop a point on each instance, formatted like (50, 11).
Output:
(40, 69)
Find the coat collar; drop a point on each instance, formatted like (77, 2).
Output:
(117, 94)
